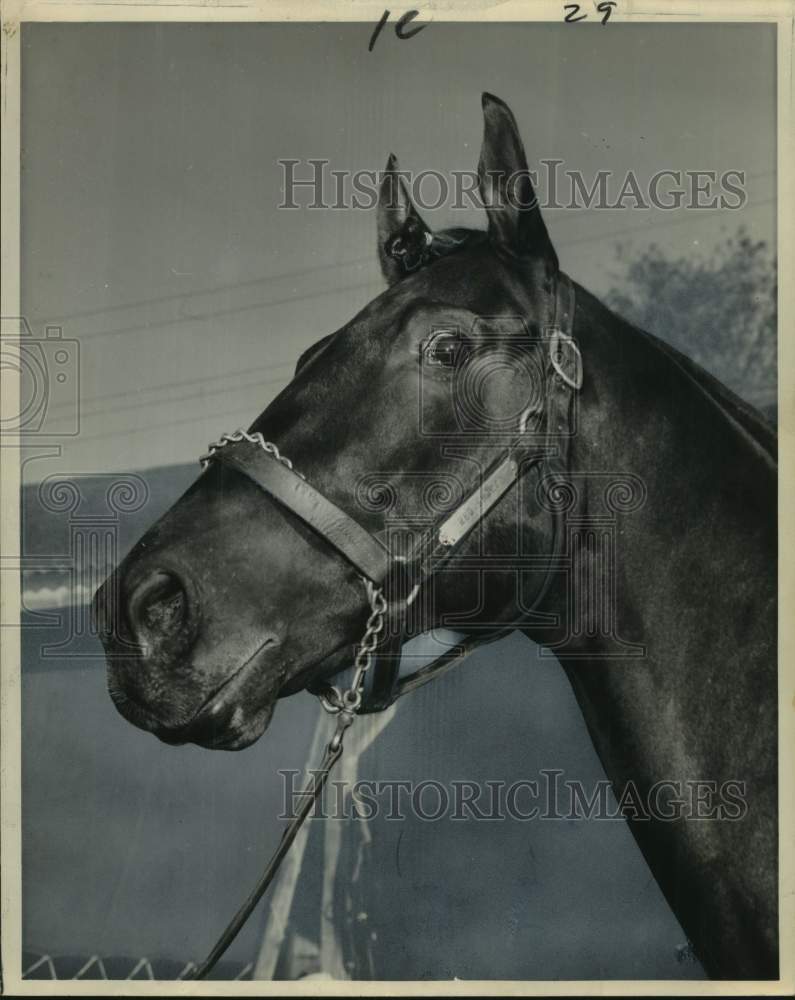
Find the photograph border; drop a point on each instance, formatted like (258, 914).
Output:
(15, 14)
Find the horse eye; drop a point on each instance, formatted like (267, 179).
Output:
(444, 349)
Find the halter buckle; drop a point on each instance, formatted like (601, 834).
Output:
(565, 357)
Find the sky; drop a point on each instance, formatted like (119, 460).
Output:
(151, 233)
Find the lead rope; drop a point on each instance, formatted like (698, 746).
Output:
(308, 797)
(343, 704)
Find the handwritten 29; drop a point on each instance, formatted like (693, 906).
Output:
(605, 8)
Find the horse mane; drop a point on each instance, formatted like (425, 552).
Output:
(734, 408)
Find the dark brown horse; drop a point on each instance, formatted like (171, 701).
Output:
(657, 593)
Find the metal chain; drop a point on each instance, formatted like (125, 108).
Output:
(255, 438)
(333, 701)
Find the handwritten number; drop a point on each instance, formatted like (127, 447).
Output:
(573, 8)
(377, 31)
(606, 8)
(401, 28)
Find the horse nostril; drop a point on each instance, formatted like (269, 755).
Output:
(159, 605)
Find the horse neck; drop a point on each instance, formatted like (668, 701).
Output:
(669, 623)
(675, 474)
(669, 596)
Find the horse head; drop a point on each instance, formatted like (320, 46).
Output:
(435, 464)
(232, 599)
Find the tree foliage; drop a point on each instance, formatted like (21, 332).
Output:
(720, 311)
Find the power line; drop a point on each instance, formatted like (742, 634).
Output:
(712, 213)
(170, 386)
(576, 214)
(707, 213)
(191, 396)
(301, 297)
(232, 310)
(176, 296)
(149, 428)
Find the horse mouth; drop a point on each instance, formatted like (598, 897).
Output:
(224, 720)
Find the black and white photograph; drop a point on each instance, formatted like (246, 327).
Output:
(394, 567)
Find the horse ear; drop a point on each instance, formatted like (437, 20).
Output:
(515, 222)
(402, 234)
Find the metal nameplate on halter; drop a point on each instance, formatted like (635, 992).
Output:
(475, 507)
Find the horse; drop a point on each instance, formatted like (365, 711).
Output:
(555, 470)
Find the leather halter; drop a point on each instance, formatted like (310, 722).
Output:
(399, 576)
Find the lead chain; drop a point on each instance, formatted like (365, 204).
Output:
(348, 702)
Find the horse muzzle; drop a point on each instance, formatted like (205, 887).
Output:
(159, 679)
(228, 719)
